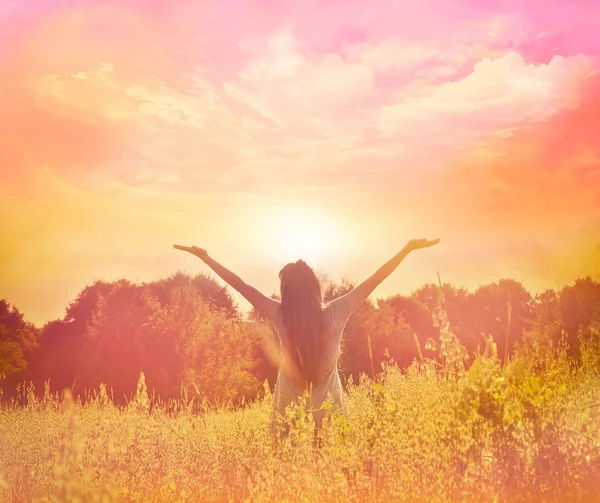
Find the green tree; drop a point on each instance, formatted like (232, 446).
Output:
(114, 331)
(18, 339)
(579, 307)
(209, 351)
(503, 310)
(120, 339)
(455, 302)
(56, 358)
(412, 319)
(215, 295)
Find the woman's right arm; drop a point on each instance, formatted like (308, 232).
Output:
(351, 301)
(264, 305)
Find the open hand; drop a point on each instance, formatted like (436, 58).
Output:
(194, 250)
(416, 244)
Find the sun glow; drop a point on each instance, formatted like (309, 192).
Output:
(293, 234)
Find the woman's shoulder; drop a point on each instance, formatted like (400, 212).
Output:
(331, 313)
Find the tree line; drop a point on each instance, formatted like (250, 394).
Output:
(187, 335)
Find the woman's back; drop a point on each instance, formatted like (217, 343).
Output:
(288, 389)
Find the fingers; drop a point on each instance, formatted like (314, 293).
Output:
(182, 248)
(423, 243)
(194, 250)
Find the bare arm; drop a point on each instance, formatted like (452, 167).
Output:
(353, 299)
(264, 305)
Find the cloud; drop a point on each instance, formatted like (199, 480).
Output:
(536, 192)
(499, 94)
(391, 55)
(297, 84)
(34, 136)
(306, 108)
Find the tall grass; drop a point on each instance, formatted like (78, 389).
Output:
(437, 432)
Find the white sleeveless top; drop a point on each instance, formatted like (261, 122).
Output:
(336, 314)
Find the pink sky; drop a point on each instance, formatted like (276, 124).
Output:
(128, 126)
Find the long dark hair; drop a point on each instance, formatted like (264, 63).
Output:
(302, 317)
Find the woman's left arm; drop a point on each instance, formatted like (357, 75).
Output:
(264, 305)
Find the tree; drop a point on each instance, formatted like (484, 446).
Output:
(267, 351)
(455, 302)
(579, 307)
(548, 326)
(215, 295)
(366, 337)
(57, 356)
(179, 338)
(205, 349)
(120, 339)
(186, 330)
(113, 331)
(18, 339)
(503, 310)
(412, 319)
(55, 359)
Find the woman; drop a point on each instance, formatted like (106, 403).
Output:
(309, 331)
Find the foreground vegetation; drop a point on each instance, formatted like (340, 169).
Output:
(527, 430)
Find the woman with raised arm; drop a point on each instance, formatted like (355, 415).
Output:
(309, 331)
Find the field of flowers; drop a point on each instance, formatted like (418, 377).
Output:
(436, 432)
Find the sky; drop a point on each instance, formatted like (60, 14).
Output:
(266, 131)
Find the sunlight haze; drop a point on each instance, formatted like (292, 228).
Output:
(271, 131)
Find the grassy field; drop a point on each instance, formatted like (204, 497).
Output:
(528, 431)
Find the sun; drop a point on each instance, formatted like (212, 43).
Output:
(307, 234)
